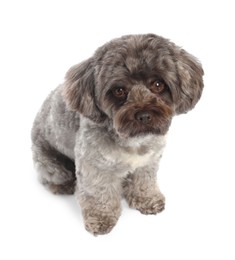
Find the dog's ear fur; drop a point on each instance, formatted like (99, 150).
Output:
(79, 90)
(190, 74)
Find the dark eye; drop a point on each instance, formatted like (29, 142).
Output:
(158, 86)
(120, 92)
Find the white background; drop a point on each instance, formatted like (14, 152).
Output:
(39, 41)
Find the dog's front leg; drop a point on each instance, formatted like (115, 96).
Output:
(141, 191)
(100, 200)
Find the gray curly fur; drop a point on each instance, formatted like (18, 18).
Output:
(88, 140)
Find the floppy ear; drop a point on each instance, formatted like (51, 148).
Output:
(190, 74)
(79, 88)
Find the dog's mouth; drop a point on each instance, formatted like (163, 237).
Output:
(132, 130)
(143, 121)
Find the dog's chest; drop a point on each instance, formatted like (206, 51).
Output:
(135, 160)
(129, 159)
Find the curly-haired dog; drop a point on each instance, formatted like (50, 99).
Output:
(101, 134)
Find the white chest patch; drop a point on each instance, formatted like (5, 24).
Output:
(135, 160)
(130, 160)
(136, 155)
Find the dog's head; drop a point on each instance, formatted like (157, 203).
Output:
(136, 82)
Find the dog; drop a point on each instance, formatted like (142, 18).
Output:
(101, 133)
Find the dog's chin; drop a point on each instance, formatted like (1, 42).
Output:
(133, 131)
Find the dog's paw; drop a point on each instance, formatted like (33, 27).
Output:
(148, 205)
(98, 224)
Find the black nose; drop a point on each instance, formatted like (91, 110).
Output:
(143, 117)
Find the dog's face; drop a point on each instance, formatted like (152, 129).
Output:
(137, 82)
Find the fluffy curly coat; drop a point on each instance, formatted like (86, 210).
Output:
(102, 132)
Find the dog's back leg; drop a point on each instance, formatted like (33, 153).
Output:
(56, 171)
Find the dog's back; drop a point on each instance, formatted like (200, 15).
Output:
(53, 140)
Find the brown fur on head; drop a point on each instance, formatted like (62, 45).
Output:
(138, 82)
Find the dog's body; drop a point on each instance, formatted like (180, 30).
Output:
(103, 131)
